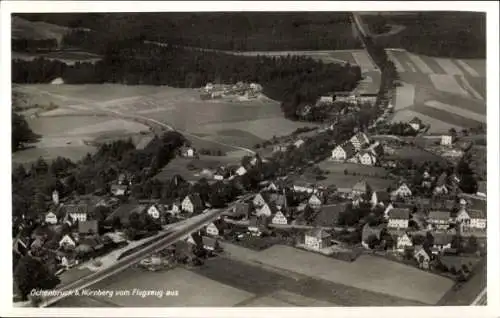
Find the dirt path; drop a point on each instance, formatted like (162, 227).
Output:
(97, 106)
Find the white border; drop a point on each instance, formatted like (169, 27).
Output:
(492, 310)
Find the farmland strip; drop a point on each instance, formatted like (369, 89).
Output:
(424, 68)
(449, 67)
(456, 110)
(446, 83)
(363, 61)
(465, 84)
(467, 68)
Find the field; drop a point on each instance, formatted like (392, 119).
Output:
(22, 28)
(228, 126)
(367, 272)
(336, 167)
(344, 182)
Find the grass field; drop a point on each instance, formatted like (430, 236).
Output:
(22, 28)
(336, 167)
(367, 272)
(178, 166)
(345, 182)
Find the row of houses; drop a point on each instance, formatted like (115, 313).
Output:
(358, 150)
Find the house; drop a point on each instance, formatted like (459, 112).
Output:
(369, 231)
(298, 143)
(325, 100)
(155, 211)
(343, 152)
(439, 220)
(192, 203)
(119, 189)
(399, 218)
(241, 171)
(317, 239)
(389, 207)
(68, 262)
(380, 198)
(360, 188)
(415, 123)
(241, 210)
(68, 241)
(299, 186)
(403, 191)
(123, 212)
(88, 227)
(254, 227)
(278, 200)
(403, 241)
(266, 210)
(210, 244)
(314, 201)
(51, 218)
(441, 187)
(441, 242)
(422, 257)
(472, 219)
(359, 140)
(279, 218)
(376, 149)
(446, 140)
(216, 228)
(272, 187)
(188, 152)
(78, 211)
(367, 158)
(280, 148)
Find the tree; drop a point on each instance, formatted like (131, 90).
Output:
(472, 245)
(31, 274)
(21, 132)
(372, 241)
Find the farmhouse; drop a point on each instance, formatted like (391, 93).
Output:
(439, 220)
(343, 152)
(241, 210)
(215, 228)
(241, 171)
(442, 241)
(51, 218)
(156, 211)
(472, 219)
(192, 203)
(279, 218)
(360, 188)
(403, 241)
(68, 241)
(314, 201)
(367, 158)
(76, 211)
(359, 141)
(399, 218)
(298, 143)
(446, 140)
(415, 123)
(329, 215)
(380, 198)
(402, 191)
(369, 231)
(422, 257)
(317, 239)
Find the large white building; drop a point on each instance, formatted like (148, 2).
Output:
(343, 152)
(399, 218)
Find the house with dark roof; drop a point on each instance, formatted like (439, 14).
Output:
(343, 152)
(278, 199)
(471, 220)
(441, 241)
(399, 218)
(329, 215)
(439, 220)
(192, 203)
(422, 256)
(216, 228)
(361, 187)
(441, 185)
(359, 140)
(317, 239)
(241, 210)
(368, 231)
(381, 198)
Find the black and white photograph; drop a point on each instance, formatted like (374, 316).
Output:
(239, 157)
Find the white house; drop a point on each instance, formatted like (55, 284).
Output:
(446, 140)
(212, 229)
(188, 152)
(403, 241)
(367, 158)
(77, 211)
(399, 218)
(241, 171)
(55, 197)
(416, 123)
(51, 218)
(279, 218)
(325, 99)
(402, 191)
(387, 210)
(314, 201)
(298, 143)
(472, 219)
(154, 212)
(68, 241)
(359, 140)
(343, 152)
(259, 200)
(192, 203)
(317, 239)
(265, 210)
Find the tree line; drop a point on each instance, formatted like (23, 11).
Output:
(33, 45)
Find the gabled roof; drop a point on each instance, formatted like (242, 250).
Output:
(442, 238)
(439, 215)
(318, 233)
(241, 208)
(476, 214)
(377, 149)
(349, 149)
(159, 207)
(370, 230)
(382, 196)
(400, 214)
(329, 215)
(195, 200)
(361, 137)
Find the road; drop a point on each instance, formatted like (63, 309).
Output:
(191, 225)
(94, 107)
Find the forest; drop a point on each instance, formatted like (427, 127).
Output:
(133, 62)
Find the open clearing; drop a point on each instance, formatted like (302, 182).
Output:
(38, 30)
(367, 272)
(344, 182)
(457, 110)
(337, 167)
(194, 289)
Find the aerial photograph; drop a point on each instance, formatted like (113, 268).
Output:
(249, 159)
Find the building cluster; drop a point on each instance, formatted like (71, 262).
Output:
(358, 150)
(352, 98)
(215, 91)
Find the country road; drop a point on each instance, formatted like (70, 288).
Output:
(93, 106)
(193, 224)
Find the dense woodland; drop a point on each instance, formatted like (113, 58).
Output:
(134, 63)
(21, 132)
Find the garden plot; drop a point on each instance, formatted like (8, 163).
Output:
(457, 110)
(367, 272)
(449, 66)
(448, 84)
(405, 96)
(421, 65)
